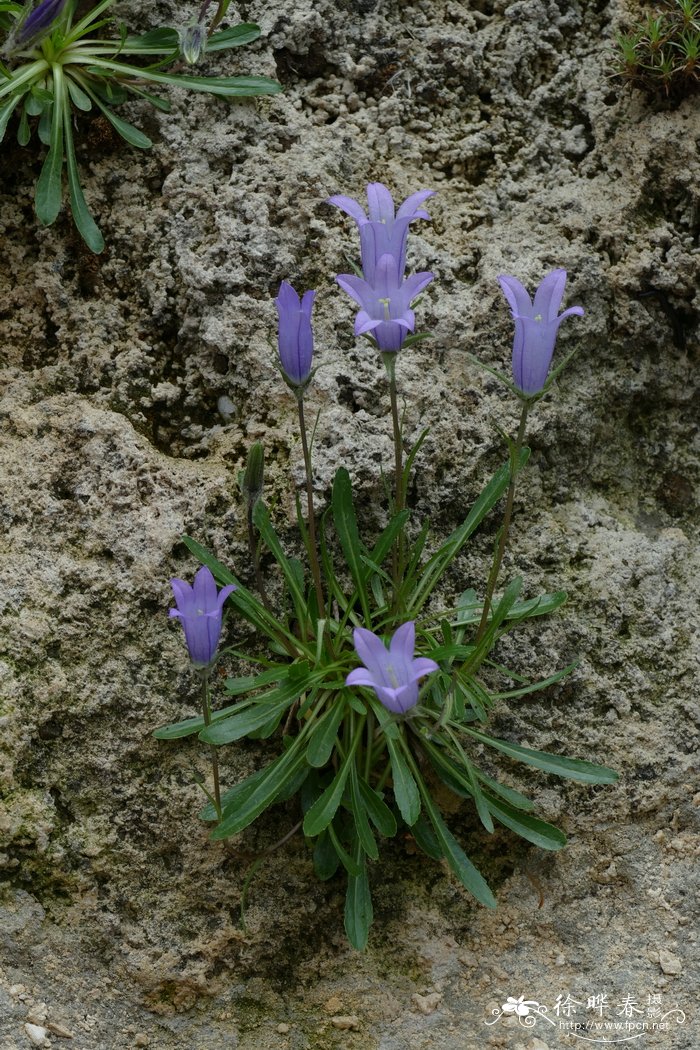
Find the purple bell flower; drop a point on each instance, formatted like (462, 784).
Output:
(536, 327)
(385, 231)
(39, 21)
(393, 673)
(385, 303)
(295, 338)
(200, 609)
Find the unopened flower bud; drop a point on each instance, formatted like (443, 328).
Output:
(254, 475)
(193, 39)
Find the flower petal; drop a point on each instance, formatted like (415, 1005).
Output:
(518, 298)
(423, 665)
(371, 651)
(360, 676)
(350, 207)
(223, 595)
(204, 588)
(549, 295)
(184, 595)
(364, 323)
(357, 289)
(381, 203)
(410, 210)
(415, 284)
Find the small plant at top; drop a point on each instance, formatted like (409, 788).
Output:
(375, 688)
(54, 68)
(660, 53)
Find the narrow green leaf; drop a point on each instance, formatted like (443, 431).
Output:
(86, 225)
(358, 904)
(239, 686)
(263, 793)
(6, 112)
(352, 866)
(263, 524)
(127, 131)
(364, 832)
(324, 809)
(245, 33)
(512, 797)
(541, 834)
(346, 527)
(226, 730)
(322, 736)
(455, 856)
(377, 810)
(78, 96)
(405, 787)
(426, 838)
(387, 537)
(48, 192)
(573, 768)
(326, 860)
(23, 130)
(534, 687)
(230, 87)
(441, 560)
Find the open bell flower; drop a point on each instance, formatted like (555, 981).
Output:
(295, 340)
(393, 673)
(200, 610)
(384, 230)
(536, 327)
(385, 304)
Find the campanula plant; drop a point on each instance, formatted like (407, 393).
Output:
(57, 67)
(375, 688)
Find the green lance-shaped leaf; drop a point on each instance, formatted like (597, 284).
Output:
(405, 788)
(572, 768)
(240, 724)
(236, 36)
(441, 560)
(87, 227)
(326, 860)
(358, 904)
(377, 810)
(48, 192)
(322, 736)
(324, 809)
(263, 793)
(261, 518)
(539, 832)
(346, 527)
(455, 856)
(359, 811)
(6, 112)
(228, 87)
(127, 131)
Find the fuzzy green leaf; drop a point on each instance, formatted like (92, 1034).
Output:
(48, 193)
(263, 793)
(405, 787)
(377, 810)
(346, 527)
(573, 768)
(539, 832)
(322, 736)
(358, 904)
(245, 33)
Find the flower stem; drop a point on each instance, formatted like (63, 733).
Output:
(400, 495)
(206, 713)
(516, 449)
(313, 550)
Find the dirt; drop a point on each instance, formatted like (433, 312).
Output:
(121, 923)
